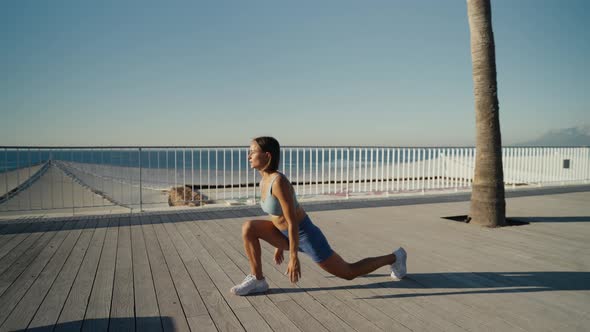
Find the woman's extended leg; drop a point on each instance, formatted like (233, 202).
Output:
(252, 232)
(340, 268)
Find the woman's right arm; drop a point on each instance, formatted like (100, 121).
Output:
(283, 192)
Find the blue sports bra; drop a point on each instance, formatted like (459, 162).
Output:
(271, 204)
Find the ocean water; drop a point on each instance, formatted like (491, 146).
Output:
(211, 158)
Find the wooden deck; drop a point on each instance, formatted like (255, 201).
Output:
(173, 272)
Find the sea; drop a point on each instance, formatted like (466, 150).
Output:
(235, 159)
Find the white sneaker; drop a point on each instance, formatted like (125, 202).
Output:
(398, 268)
(250, 285)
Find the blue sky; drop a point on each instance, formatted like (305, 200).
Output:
(307, 72)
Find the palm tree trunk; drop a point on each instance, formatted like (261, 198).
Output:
(488, 206)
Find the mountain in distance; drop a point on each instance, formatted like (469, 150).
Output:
(574, 136)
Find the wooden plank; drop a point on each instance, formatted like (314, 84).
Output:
(146, 303)
(222, 282)
(300, 317)
(19, 287)
(276, 319)
(527, 301)
(190, 299)
(122, 317)
(99, 304)
(49, 310)
(449, 287)
(30, 302)
(236, 258)
(12, 243)
(209, 277)
(14, 232)
(308, 303)
(412, 306)
(265, 304)
(272, 314)
(168, 301)
(233, 237)
(220, 312)
(408, 314)
(239, 257)
(37, 231)
(339, 298)
(72, 314)
(518, 265)
(244, 315)
(250, 319)
(440, 261)
(202, 323)
(421, 308)
(325, 312)
(510, 242)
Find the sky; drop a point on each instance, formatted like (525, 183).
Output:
(203, 73)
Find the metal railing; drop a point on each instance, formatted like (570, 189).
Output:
(102, 180)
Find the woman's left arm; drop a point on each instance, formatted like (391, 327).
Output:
(283, 191)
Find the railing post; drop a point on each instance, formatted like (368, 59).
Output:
(140, 185)
(423, 163)
(6, 170)
(347, 171)
(201, 178)
(513, 164)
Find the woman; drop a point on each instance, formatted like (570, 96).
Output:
(291, 229)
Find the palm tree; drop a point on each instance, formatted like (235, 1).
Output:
(488, 206)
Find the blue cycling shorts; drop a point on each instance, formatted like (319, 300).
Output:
(312, 241)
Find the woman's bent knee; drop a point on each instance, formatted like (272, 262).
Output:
(248, 228)
(338, 267)
(348, 276)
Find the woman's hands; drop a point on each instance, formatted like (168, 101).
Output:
(279, 258)
(293, 269)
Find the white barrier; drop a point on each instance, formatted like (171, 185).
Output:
(140, 177)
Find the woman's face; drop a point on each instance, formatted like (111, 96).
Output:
(257, 158)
